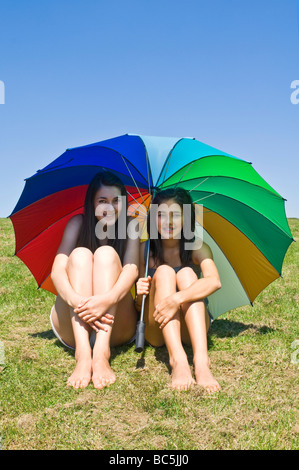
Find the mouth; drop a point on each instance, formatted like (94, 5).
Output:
(108, 218)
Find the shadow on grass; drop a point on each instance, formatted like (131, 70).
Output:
(219, 329)
(227, 329)
(49, 335)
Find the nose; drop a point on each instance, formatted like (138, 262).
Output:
(109, 208)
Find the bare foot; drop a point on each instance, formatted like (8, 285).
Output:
(181, 377)
(103, 375)
(81, 376)
(204, 376)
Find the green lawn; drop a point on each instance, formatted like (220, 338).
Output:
(252, 352)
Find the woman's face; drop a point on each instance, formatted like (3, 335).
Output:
(108, 204)
(170, 219)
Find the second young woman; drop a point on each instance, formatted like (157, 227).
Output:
(175, 308)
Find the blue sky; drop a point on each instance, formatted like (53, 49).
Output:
(76, 72)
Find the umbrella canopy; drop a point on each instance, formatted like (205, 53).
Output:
(244, 220)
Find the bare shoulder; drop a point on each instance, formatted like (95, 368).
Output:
(76, 221)
(71, 234)
(202, 253)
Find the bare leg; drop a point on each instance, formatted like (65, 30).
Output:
(107, 268)
(80, 267)
(196, 322)
(163, 285)
(61, 320)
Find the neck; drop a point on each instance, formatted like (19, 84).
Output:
(170, 243)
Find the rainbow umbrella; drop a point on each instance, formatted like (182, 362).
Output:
(243, 222)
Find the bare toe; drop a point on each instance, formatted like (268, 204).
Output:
(81, 376)
(204, 376)
(181, 377)
(103, 376)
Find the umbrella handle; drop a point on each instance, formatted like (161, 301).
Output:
(139, 339)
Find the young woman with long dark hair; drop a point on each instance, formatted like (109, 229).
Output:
(179, 280)
(93, 276)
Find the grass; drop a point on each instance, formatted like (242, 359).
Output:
(250, 350)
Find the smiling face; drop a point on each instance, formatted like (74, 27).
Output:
(170, 220)
(108, 204)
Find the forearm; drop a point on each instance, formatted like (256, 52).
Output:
(199, 290)
(64, 289)
(124, 283)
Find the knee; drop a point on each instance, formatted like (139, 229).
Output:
(185, 277)
(164, 271)
(80, 258)
(106, 255)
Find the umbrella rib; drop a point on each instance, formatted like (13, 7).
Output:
(199, 184)
(48, 227)
(192, 163)
(122, 156)
(133, 178)
(148, 169)
(245, 234)
(227, 259)
(202, 198)
(274, 194)
(140, 205)
(252, 208)
(167, 161)
(41, 283)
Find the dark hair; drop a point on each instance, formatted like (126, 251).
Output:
(87, 237)
(181, 197)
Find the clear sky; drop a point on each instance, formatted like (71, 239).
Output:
(79, 71)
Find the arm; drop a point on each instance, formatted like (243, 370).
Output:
(59, 274)
(209, 283)
(143, 284)
(129, 273)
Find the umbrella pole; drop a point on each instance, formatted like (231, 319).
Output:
(139, 340)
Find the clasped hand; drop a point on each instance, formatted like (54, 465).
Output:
(166, 310)
(93, 310)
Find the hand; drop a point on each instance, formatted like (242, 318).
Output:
(143, 285)
(93, 310)
(98, 325)
(166, 310)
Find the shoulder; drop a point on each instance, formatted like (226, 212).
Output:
(75, 221)
(74, 225)
(71, 234)
(202, 253)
